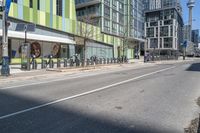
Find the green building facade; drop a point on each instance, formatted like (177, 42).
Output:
(56, 24)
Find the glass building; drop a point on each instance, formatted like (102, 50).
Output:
(122, 18)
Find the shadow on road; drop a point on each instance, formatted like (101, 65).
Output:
(194, 67)
(57, 119)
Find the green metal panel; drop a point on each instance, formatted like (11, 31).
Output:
(42, 5)
(54, 21)
(35, 16)
(47, 6)
(42, 17)
(47, 19)
(15, 9)
(26, 3)
(26, 13)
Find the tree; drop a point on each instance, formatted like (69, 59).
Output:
(124, 36)
(85, 29)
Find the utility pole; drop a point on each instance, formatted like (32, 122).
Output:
(5, 70)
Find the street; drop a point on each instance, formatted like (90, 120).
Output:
(154, 99)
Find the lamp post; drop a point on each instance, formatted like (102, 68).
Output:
(5, 70)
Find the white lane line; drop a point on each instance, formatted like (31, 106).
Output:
(83, 94)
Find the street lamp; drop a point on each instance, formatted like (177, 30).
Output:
(5, 7)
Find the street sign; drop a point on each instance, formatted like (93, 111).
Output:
(20, 27)
(30, 27)
(25, 27)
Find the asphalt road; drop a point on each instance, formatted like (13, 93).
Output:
(156, 99)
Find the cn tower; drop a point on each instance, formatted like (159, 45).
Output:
(190, 4)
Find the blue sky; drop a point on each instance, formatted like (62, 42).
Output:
(196, 13)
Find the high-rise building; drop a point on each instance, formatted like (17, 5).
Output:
(195, 36)
(108, 14)
(186, 32)
(122, 18)
(163, 26)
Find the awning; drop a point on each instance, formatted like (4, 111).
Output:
(31, 36)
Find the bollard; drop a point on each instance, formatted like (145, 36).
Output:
(88, 62)
(44, 64)
(97, 61)
(83, 62)
(92, 62)
(104, 60)
(51, 63)
(58, 63)
(71, 63)
(100, 61)
(111, 60)
(118, 60)
(34, 64)
(65, 62)
(108, 61)
(115, 61)
(77, 62)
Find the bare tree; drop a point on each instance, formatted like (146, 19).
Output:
(124, 36)
(85, 29)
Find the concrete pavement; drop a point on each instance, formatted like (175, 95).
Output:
(159, 98)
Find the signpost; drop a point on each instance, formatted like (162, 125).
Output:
(185, 43)
(25, 47)
(25, 56)
(5, 70)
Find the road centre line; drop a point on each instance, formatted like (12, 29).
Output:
(83, 94)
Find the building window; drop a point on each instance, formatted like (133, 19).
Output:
(153, 43)
(31, 3)
(38, 4)
(59, 7)
(164, 31)
(168, 42)
(15, 1)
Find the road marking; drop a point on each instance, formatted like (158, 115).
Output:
(63, 79)
(83, 94)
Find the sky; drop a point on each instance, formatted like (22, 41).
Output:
(196, 13)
